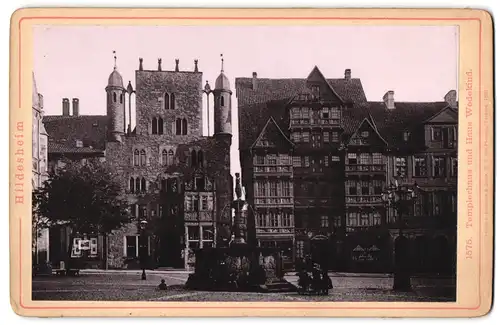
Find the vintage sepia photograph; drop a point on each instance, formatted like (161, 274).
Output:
(289, 163)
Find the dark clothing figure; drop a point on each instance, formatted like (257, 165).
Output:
(162, 285)
(326, 283)
(317, 283)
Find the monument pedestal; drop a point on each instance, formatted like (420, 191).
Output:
(238, 268)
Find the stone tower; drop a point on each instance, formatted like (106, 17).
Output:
(115, 106)
(222, 104)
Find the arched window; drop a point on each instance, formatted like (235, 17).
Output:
(194, 159)
(132, 185)
(154, 126)
(200, 158)
(170, 160)
(160, 125)
(121, 98)
(137, 185)
(172, 101)
(184, 126)
(221, 100)
(178, 126)
(136, 157)
(164, 158)
(143, 157)
(143, 185)
(114, 97)
(167, 101)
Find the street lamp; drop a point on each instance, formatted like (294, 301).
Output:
(142, 257)
(400, 197)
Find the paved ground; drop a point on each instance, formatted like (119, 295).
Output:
(128, 286)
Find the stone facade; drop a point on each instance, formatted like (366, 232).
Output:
(169, 172)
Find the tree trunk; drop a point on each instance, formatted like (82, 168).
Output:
(105, 251)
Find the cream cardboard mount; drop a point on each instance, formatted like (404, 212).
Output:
(339, 178)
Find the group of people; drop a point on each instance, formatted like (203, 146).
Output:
(314, 279)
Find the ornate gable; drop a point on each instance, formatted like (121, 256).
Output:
(366, 135)
(272, 136)
(325, 91)
(447, 115)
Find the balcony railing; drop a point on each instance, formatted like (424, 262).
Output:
(300, 122)
(363, 199)
(272, 169)
(273, 201)
(274, 230)
(365, 168)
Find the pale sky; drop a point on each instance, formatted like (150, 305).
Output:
(419, 63)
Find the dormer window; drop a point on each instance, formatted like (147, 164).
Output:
(437, 134)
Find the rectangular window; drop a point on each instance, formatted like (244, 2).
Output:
(295, 112)
(279, 186)
(337, 221)
(439, 167)
(131, 246)
(365, 134)
(437, 134)
(365, 219)
(143, 211)
(400, 167)
(352, 219)
(189, 203)
(274, 219)
(377, 158)
(324, 221)
(204, 203)
(261, 219)
(305, 113)
(259, 160)
(305, 137)
(335, 159)
(335, 137)
(326, 137)
(325, 113)
(364, 158)
(352, 187)
(335, 113)
(284, 159)
(296, 137)
(287, 220)
(193, 233)
(377, 218)
(420, 167)
(297, 161)
(273, 189)
(271, 160)
(326, 160)
(454, 166)
(352, 159)
(365, 188)
(207, 233)
(196, 203)
(306, 161)
(133, 212)
(315, 91)
(261, 191)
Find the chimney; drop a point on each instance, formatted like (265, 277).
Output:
(389, 99)
(254, 81)
(451, 98)
(159, 64)
(140, 64)
(195, 65)
(176, 65)
(76, 108)
(65, 104)
(347, 74)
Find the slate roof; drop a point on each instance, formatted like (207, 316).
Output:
(272, 95)
(64, 131)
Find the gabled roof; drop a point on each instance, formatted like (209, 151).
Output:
(271, 96)
(265, 129)
(315, 70)
(447, 108)
(370, 122)
(64, 131)
(405, 117)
